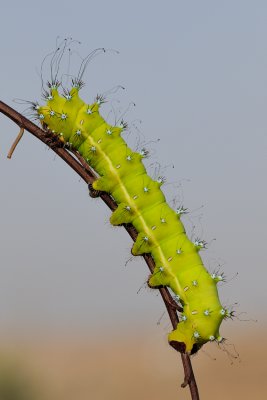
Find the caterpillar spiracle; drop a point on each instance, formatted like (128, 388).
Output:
(141, 202)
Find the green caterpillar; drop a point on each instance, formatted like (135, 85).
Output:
(141, 203)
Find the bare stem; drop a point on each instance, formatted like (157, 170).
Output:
(78, 164)
(14, 145)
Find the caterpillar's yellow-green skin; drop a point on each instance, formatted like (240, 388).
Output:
(141, 203)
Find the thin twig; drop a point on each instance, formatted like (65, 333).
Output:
(77, 163)
(14, 145)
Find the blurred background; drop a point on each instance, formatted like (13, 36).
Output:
(76, 319)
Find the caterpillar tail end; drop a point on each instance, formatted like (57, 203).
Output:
(180, 342)
(183, 342)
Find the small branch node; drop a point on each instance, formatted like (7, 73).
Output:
(186, 382)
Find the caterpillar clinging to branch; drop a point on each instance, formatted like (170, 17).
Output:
(141, 202)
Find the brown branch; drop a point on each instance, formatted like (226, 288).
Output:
(77, 163)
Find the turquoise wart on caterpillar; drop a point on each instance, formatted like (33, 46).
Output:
(141, 202)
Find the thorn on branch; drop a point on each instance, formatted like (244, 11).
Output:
(14, 145)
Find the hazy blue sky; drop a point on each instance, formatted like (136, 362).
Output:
(197, 71)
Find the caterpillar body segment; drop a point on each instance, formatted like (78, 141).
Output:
(141, 202)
